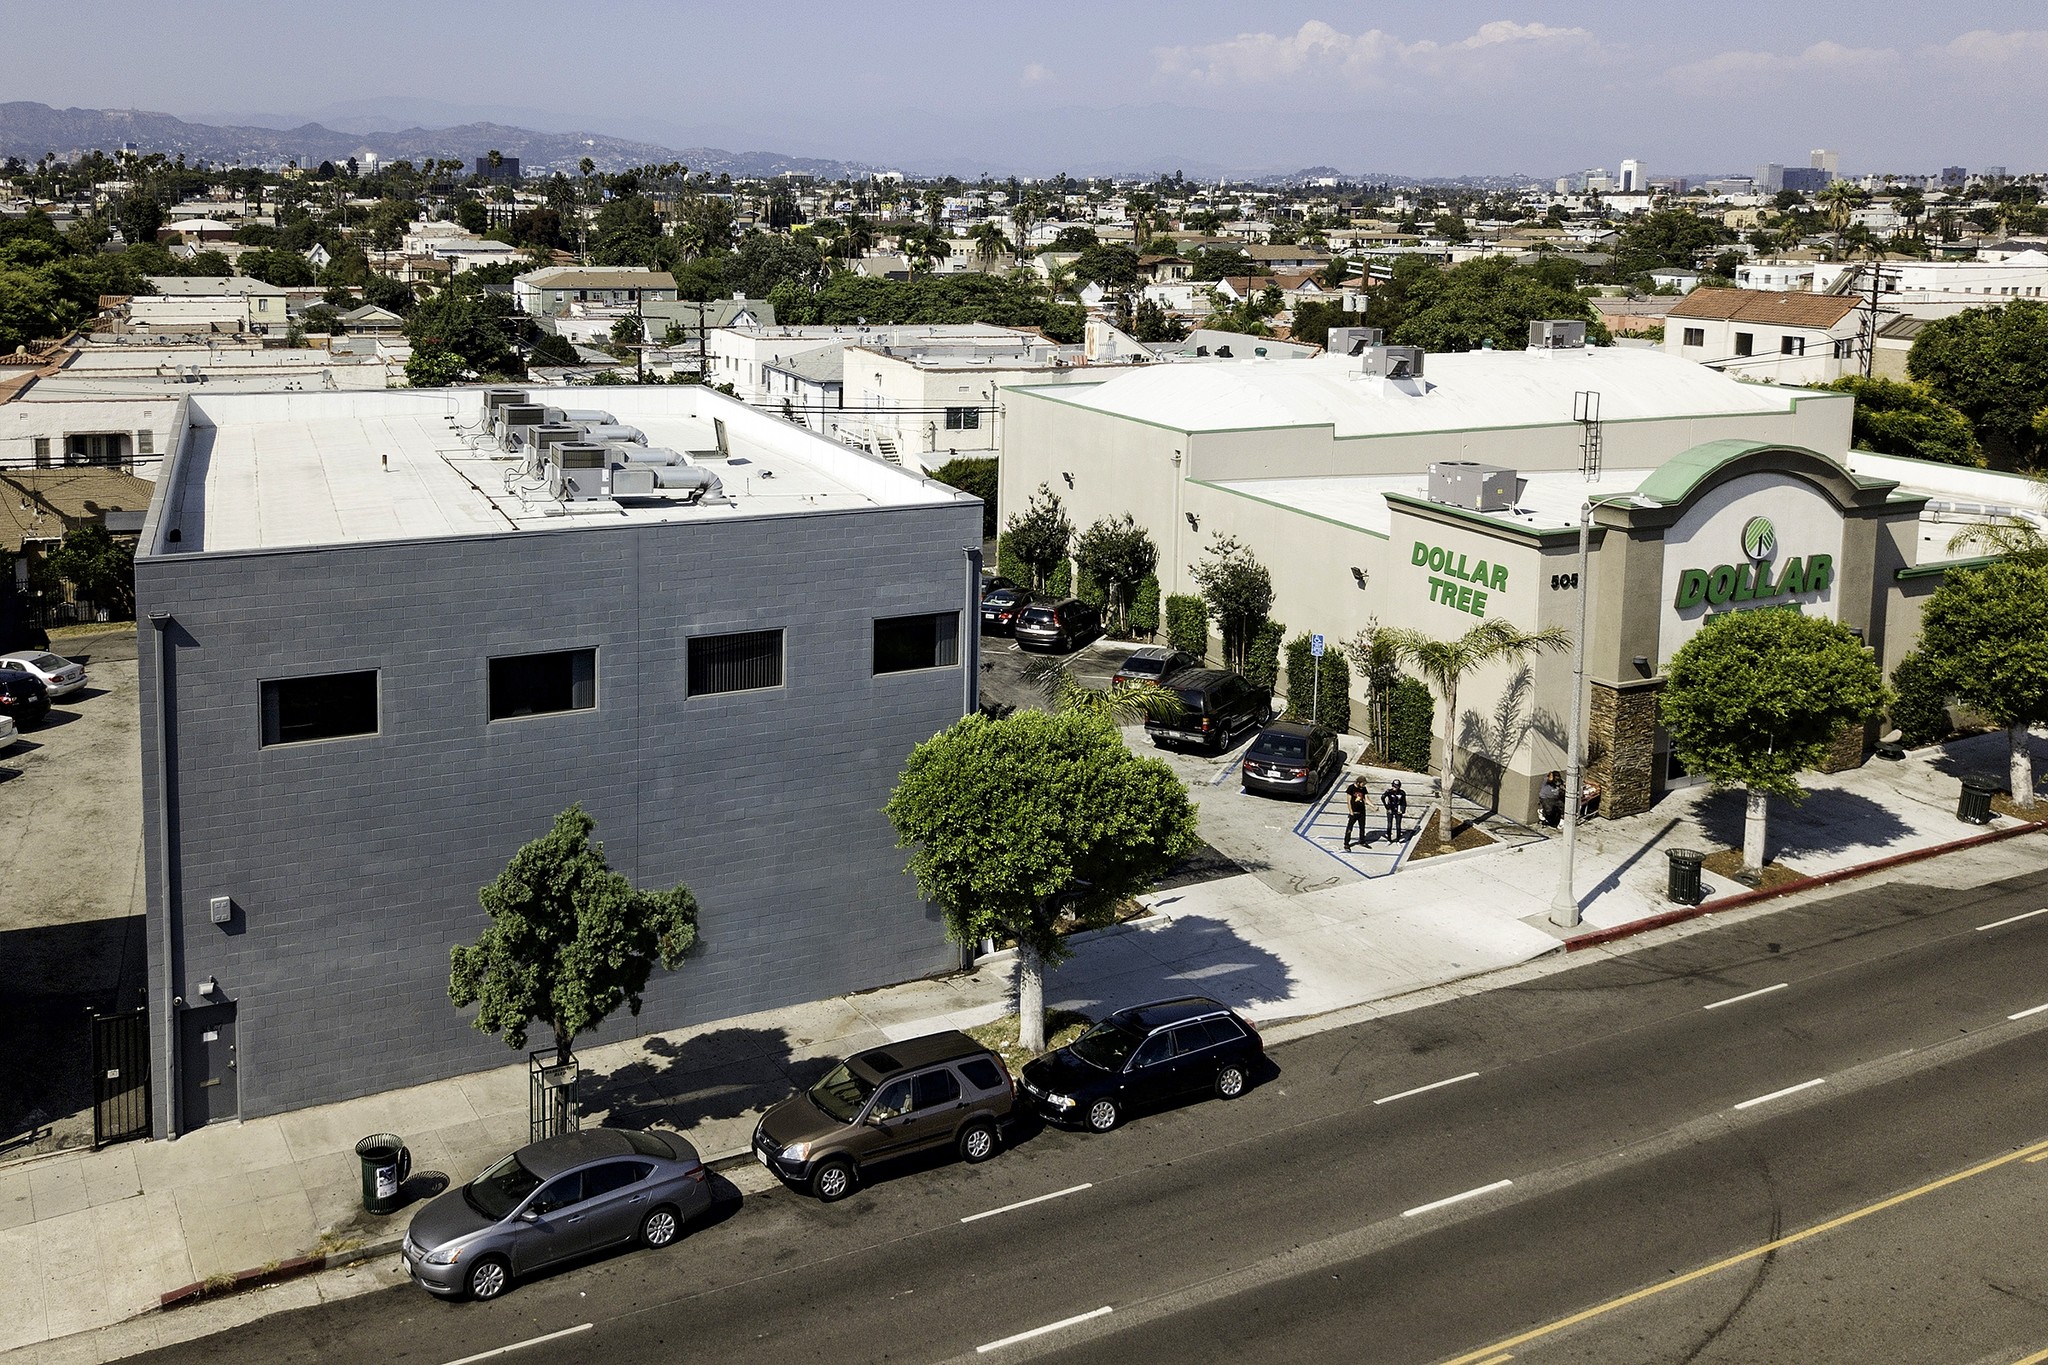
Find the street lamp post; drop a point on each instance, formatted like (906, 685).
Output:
(1564, 903)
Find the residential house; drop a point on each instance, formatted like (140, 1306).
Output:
(1789, 338)
(548, 292)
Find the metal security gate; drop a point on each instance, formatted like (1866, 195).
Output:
(551, 1096)
(120, 1077)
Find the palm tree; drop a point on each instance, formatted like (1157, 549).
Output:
(1838, 201)
(1444, 663)
(1121, 703)
(989, 242)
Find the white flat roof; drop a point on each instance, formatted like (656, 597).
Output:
(276, 471)
(1471, 390)
(1549, 501)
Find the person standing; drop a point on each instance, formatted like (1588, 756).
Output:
(1359, 811)
(1550, 799)
(1395, 802)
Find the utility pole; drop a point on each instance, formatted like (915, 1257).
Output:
(1870, 325)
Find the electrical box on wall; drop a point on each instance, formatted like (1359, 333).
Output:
(222, 909)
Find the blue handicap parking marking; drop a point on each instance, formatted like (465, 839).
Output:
(1323, 825)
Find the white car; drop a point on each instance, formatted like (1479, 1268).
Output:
(8, 734)
(60, 677)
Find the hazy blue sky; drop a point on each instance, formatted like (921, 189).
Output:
(1433, 87)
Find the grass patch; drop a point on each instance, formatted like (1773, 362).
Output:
(1465, 835)
(1727, 862)
(2003, 804)
(1000, 1035)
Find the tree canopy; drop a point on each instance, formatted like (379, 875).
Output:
(569, 941)
(1991, 364)
(1490, 300)
(1986, 632)
(1238, 591)
(1022, 822)
(1895, 418)
(1040, 535)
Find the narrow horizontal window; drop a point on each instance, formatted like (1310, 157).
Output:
(539, 684)
(903, 643)
(735, 663)
(332, 706)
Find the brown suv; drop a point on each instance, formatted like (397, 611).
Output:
(888, 1102)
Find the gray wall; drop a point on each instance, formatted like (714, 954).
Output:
(354, 863)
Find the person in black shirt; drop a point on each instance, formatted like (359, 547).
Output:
(1359, 811)
(1395, 802)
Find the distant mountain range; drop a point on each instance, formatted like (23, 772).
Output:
(28, 130)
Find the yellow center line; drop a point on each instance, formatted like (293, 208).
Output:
(2043, 1156)
(1490, 1355)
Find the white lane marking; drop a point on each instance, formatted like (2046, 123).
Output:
(2001, 923)
(1781, 1094)
(1737, 999)
(1027, 1203)
(2038, 1009)
(522, 1345)
(1457, 1198)
(1433, 1085)
(1040, 1331)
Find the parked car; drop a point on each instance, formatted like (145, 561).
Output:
(1153, 663)
(23, 698)
(941, 1090)
(1291, 759)
(1143, 1056)
(8, 734)
(1001, 608)
(1059, 626)
(991, 580)
(558, 1198)
(1215, 705)
(60, 676)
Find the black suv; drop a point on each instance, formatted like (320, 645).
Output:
(941, 1090)
(23, 698)
(1145, 1055)
(1059, 626)
(1215, 705)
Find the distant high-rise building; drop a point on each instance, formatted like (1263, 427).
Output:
(1599, 182)
(1805, 179)
(1954, 176)
(1826, 159)
(1992, 173)
(1770, 178)
(506, 169)
(1633, 180)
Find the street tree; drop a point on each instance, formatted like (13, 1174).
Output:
(1992, 365)
(1238, 592)
(569, 941)
(1023, 824)
(1987, 632)
(1117, 553)
(1444, 664)
(1039, 535)
(101, 568)
(1758, 697)
(1905, 418)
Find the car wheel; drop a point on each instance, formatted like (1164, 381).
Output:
(978, 1141)
(488, 1279)
(1102, 1116)
(833, 1180)
(660, 1227)
(1230, 1081)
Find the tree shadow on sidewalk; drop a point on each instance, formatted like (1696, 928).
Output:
(1188, 955)
(1830, 820)
(1985, 755)
(719, 1074)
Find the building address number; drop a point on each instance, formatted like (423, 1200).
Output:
(1563, 580)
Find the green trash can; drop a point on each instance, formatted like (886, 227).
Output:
(1974, 805)
(1683, 885)
(386, 1164)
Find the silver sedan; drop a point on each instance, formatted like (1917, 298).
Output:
(557, 1199)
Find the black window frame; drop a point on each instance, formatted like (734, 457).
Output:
(963, 419)
(739, 674)
(910, 652)
(1745, 344)
(272, 730)
(579, 665)
(1693, 336)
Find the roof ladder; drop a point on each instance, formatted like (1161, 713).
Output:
(1586, 412)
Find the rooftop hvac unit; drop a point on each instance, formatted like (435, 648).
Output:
(585, 416)
(576, 471)
(1557, 335)
(512, 416)
(498, 398)
(612, 433)
(1394, 362)
(645, 473)
(1355, 340)
(1473, 486)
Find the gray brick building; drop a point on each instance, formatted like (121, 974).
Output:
(375, 661)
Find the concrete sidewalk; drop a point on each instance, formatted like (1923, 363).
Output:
(88, 1239)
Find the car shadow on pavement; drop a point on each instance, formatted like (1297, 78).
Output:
(720, 1074)
(1830, 820)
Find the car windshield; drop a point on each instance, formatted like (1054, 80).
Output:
(47, 662)
(1138, 663)
(1105, 1045)
(498, 1191)
(1039, 616)
(841, 1094)
(1280, 746)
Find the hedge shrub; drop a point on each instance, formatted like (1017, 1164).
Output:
(1009, 565)
(1187, 624)
(1144, 613)
(1262, 660)
(1411, 712)
(976, 475)
(1061, 584)
(1335, 709)
(1920, 704)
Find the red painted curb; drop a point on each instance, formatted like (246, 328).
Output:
(1742, 898)
(257, 1278)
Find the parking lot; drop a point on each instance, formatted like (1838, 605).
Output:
(71, 892)
(1293, 847)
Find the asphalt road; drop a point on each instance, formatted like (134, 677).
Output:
(1449, 1183)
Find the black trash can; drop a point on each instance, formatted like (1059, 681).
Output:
(1684, 884)
(386, 1164)
(1974, 805)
